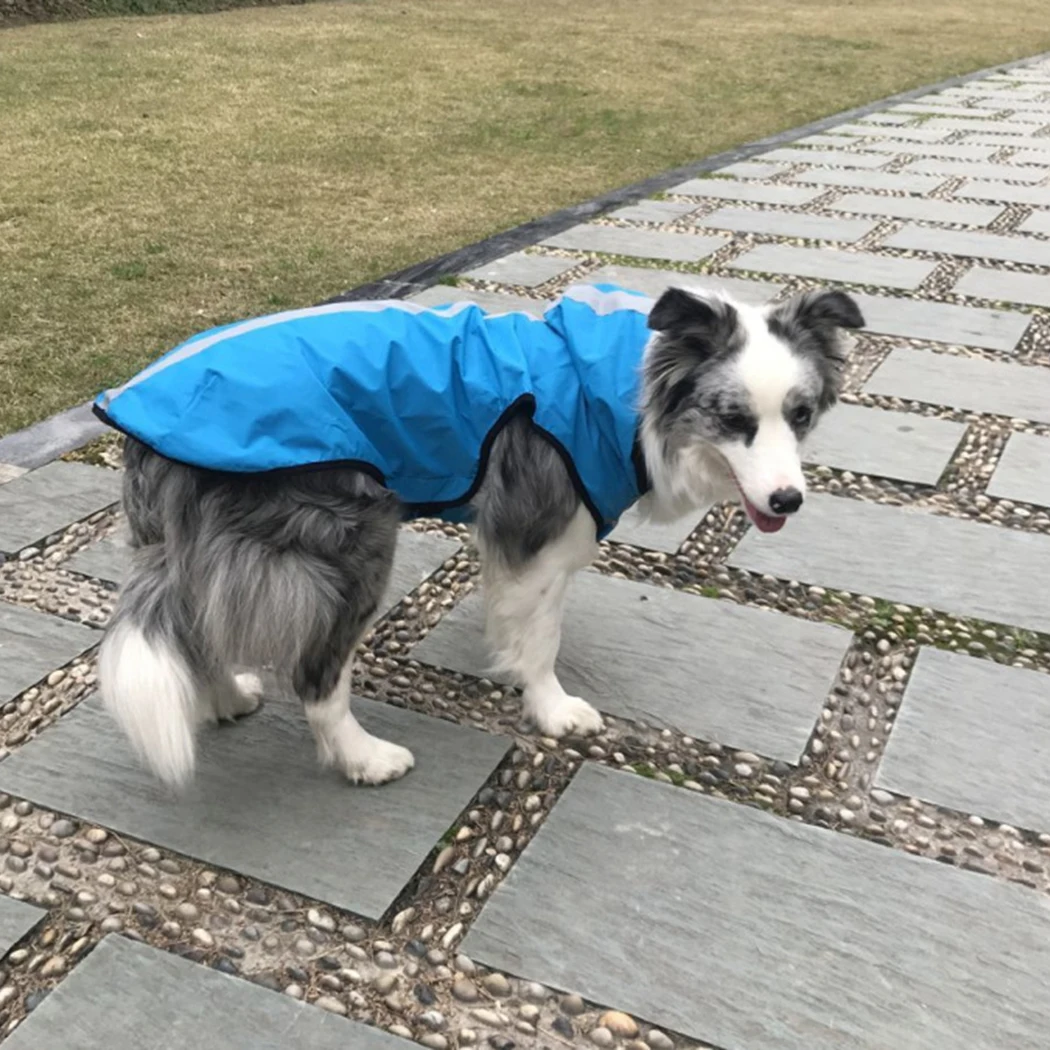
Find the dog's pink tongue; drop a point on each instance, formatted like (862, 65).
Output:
(763, 522)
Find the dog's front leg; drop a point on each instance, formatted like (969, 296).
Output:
(524, 607)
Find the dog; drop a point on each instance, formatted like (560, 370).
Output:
(236, 568)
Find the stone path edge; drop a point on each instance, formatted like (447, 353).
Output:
(65, 431)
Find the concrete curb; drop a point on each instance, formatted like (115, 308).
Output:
(47, 440)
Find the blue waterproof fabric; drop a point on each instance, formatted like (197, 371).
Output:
(413, 394)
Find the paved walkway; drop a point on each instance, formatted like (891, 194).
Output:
(748, 858)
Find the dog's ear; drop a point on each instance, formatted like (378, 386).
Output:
(820, 311)
(696, 323)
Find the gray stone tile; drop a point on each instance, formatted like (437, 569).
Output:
(16, 919)
(745, 677)
(918, 208)
(751, 169)
(920, 133)
(1014, 141)
(832, 265)
(1032, 156)
(655, 282)
(127, 996)
(836, 158)
(521, 270)
(788, 224)
(1039, 116)
(910, 556)
(933, 149)
(975, 170)
(970, 735)
(658, 537)
(1018, 106)
(829, 138)
(965, 382)
(899, 445)
(757, 193)
(306, 830)
(418, 556)
(1001, 191)
(943, 323)
(32, 644)
(1037, 222)
(490, 302)
(46, 500)
(1001, 127)
(942, 109)
(885, 117)
(871, 180)
(1005, 286)
(1023, 472)
(644, 244)
(106, 560)
(752, 932)
(653, 211)
(971, 245)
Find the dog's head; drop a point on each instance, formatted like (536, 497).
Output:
(730, 392)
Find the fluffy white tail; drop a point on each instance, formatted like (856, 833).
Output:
(150, 691)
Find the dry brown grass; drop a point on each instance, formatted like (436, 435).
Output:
(159, 175)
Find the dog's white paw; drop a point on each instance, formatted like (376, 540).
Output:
(250, 687)
(230, 700)
(560, 716)
(379, 762)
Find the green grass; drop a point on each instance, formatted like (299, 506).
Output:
(161, 175)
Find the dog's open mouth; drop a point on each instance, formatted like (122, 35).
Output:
(763, 522)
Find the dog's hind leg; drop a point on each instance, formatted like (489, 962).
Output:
(322, 681)
(523, 606)
(232, 696)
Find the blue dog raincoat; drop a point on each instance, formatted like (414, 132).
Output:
(410, 394)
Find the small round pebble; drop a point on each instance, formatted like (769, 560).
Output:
(332, 1005)
(619, 1023)
(601, 1037)
(496, 984)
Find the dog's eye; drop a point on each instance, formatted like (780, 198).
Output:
(802, 416)
(736, 421)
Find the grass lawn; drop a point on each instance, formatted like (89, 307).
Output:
(162, 175)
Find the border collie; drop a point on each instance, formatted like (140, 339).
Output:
(245, 563)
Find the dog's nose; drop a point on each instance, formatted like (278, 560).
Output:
(785, 501)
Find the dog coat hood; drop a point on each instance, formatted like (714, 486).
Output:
(413, 395)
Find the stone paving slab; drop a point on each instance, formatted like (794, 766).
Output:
(17, 918)
(968, 383)
(899, 445)
(419, 555)
(918, 208)
(32, 644)
(655, 282)
(883, 117)
(909, 556)
(644, 244)
(871, 180)
(942, 322)
(832, 265)
(128, 996)
(982, 282)
(962, 151)
(653, 211)
(751, 169)
(757, 193)
(1033, 156)
(521, 270)
(757, 933)
(1037, 222)
(788, 224)
(261, 805)
(835, 158)
(1023, 472)
(922, 108)
(1005, 193)
(975, 170)
(1002, 127)
(1019, 105)
(916, 134)
(44, 501)
(745, 677)
(969, 736)
(992, 138)
(971, 245)
(490, 302)
(633, 529)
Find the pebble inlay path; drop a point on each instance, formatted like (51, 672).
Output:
(808, 648)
